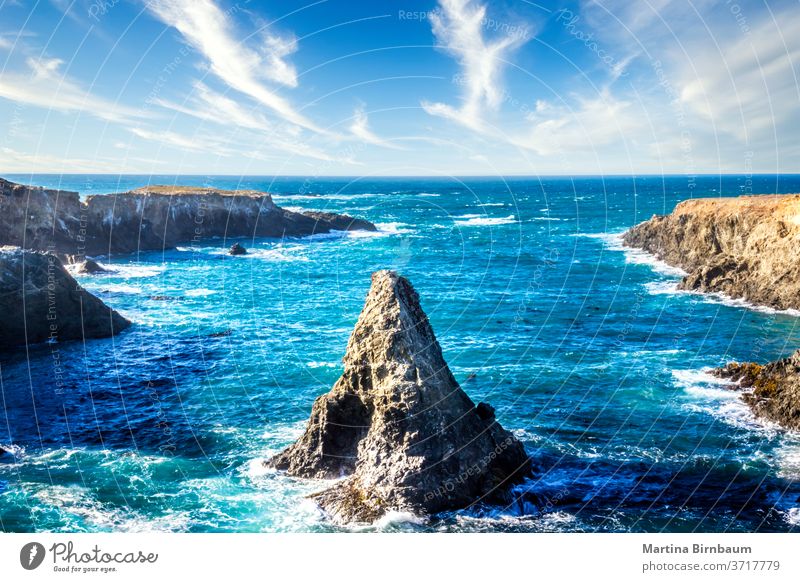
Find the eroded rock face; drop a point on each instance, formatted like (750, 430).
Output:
(151, 218)
(398, 426)
(744, 247)
(773, 389)
(40, 301)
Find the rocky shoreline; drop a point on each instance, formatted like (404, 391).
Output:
(150, 218)
(744, 247)
(41, 301)
(397, 426)
(43, 230)
(772, 390)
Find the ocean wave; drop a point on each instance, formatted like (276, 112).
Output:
(134, 271)
(479, 220)
(613, 241)
(322, 364)
(792, 516)
(199, 292)
(671, 288)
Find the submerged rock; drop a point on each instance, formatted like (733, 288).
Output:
(151, 218)
(41, 301)
(773, 390)
(744, 247)
(237, 249)
(398, 426)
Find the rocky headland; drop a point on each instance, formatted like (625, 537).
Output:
(743, 247)
(397, 427)
(151, 218)
(41, 301)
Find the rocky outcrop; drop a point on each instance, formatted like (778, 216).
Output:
(236, 250)
(40, 301)
(340, 221)
(151, 218)
(86, 267)
(772, 390)
(744, 247)
(397, 426)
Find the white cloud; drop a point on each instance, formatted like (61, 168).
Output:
(14, 161)
(599, 121)
(196, 143)
(751, 88)
(209, 105)
(360, 129)
(210, 31)
(459, 28)
(46, 87)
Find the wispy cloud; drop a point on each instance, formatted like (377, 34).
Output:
(244, 68)
(590, 123)
(360, 129)
(209, 105)
(44, 86)
(460, 30)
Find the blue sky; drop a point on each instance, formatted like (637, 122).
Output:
(447, 87)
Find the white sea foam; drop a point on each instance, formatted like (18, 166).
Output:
(322, 364)
(199, 292)
(478, 220)
(662, 287)
(613, 242)
(793, 516)
(132, 271)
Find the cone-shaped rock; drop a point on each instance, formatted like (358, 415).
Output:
(398, 425)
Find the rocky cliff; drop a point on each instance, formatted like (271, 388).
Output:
(398, 426)
(773, 390)
(40, 301)
(744, 247)
(151, 218)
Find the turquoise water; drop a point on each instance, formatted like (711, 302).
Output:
(586, 351)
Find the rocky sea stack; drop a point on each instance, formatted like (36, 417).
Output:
(398, 426)
(40, 301)
(744, 247)
(773, 390)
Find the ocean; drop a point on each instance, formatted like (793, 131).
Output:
(586, 350)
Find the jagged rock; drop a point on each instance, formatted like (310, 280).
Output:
(773, 390)
(744, 247)
(151, 218)
(87, 267)
(398, 426)
(237, 249)
(340, 221)
(40, 301)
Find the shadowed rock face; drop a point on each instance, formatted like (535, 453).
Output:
(151, 218)
(398, 426)
(41, 301)
(774, 388)
(745, 247)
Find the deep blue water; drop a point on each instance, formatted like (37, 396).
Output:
(586, 351)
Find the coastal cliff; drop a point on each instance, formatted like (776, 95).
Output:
(398, 426)
(151, 218)
(744, 247)
(41, 301)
